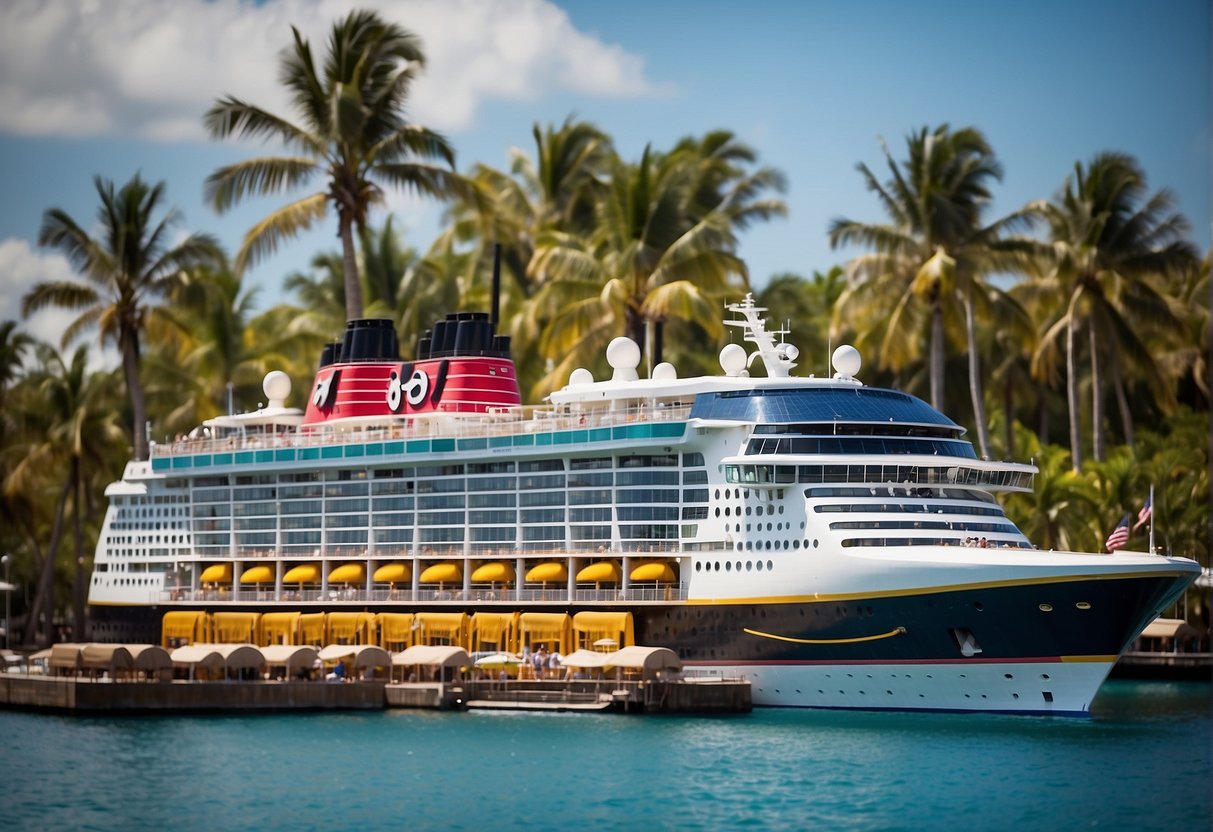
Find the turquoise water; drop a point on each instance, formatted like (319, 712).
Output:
(1142, 761)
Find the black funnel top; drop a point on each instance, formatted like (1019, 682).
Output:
(370, 339)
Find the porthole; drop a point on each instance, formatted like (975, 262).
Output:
(1046, 608)
(1083, 605)
(698, 566)
(758, 566)
(795, 544)
(770, 565)
(728, 566)
(814, 543)
(749, 566)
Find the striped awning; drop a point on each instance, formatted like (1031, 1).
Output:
(604, 571)
(492, 572)
(393, 573)
(217, 573)
(554, 571)
(307, 573)
(347, 573)
(441, 573)
(257, 575)
(654, 571)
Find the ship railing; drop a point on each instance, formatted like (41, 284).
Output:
(505, 422)
(333, 595)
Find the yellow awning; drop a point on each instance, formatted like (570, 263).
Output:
(441, 573)
(182, 624)
(235, 627)
(548, 572)
(491, 572)
(605, 571)
(306, 573)
(257, 575)
(217, 573)
(347, 573)
(654, 571)
(393, 573)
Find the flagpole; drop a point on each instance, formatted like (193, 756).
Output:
(1151, 518)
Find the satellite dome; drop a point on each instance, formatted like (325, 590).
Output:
(624, 357)
(581, 376)
(277, 386)
(846, 361)
(732, 359)
(665, 372)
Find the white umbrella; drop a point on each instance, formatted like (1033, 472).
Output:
(606, 642)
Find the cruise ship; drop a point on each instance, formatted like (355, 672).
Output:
(840, 546)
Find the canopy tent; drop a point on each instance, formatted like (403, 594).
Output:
(499, 629)
(591, 626)
(235, 627)
(219, 656)
(184, 627)
(293, 657)
(217, 573)
(348, 573)
(257, 575)
(1169, 628)
(493, 572)
(307, 573)
(149, 658)
(66, 656)
(546, 628)
(351, 627)
(584, 659)
(551, 572)
(656, 570)
(393, 573)
(441, 573)
(448, 627)
(279, 628)
(498, 660)
(395, 629)
(361, 656)
(602, 572)
(112, 657)
(647, 660)
(422, 655)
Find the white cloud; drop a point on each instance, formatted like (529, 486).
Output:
(20, 268)
(151, 68)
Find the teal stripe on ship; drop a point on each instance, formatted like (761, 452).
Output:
(664, 430)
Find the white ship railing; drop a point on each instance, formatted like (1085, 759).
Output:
(244, 597)
(442, 425)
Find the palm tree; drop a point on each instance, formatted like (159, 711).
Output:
(79, 428)
(1107, 241)
(129, 269)
(13, 345)
(351, 131)
(933, 256)
(655, 253)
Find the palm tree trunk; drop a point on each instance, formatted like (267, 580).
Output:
(1097, 435)
(1072, 394)
(975, 387)
(349, 261)
(937, 355)
(130, 371)
(1122, 402)
(43, 604)
(80, 625)
(1008, 402)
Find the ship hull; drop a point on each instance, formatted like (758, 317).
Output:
(1038, 648)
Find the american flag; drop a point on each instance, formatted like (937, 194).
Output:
(1143, 516)
(1119, 536)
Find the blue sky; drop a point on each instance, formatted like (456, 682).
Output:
(120, 87)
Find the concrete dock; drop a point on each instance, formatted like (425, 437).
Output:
(90, 695)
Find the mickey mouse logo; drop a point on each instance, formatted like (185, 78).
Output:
(325, 388)
(414, 391)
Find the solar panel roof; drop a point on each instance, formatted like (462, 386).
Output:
(816, 404)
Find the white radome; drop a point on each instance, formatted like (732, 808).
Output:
(732, 359)
(277, 386)
(847, 361)
(581, 376)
